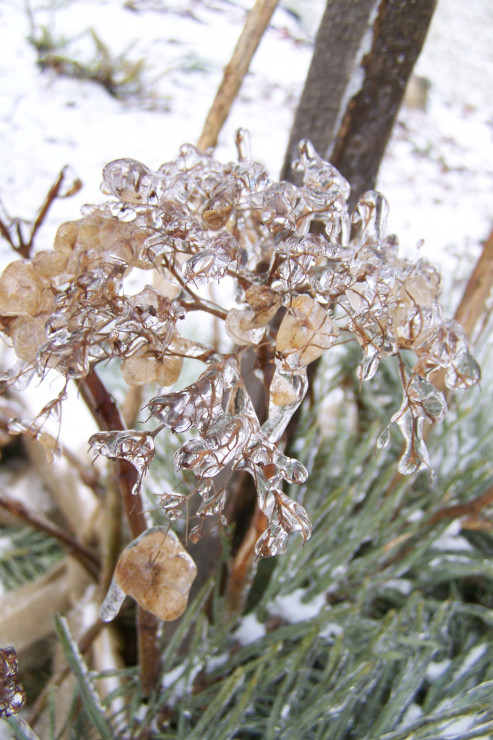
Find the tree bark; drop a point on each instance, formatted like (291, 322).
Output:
(355, 142)
(399, 33)
(335, 60)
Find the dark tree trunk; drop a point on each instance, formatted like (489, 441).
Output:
(356, 148)
(335, 60)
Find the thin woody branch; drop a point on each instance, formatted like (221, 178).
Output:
(251, 35)
(107, 415)
(86, 557)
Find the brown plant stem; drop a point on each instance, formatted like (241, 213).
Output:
(197, 303)
(236, 69)
(52, 195)
(470, 508)
(111, 545)
(107, 415)
(69, 542)
(24, 248)
(474, 302)
(243, 567)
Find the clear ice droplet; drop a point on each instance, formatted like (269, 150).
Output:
(112, 603)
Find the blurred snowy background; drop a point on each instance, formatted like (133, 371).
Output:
(159, 63)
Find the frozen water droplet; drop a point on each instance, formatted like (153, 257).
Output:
(369, 366)
(112, 602)
(370, 219)
(243, 145)
(130, 180)
(383, 439)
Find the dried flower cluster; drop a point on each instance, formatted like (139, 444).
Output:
(306, 275)
(12, 694)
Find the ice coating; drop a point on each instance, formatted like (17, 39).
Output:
(134, 446)
(306, 274)
(112, 603)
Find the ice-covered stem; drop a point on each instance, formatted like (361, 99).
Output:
(108, 418)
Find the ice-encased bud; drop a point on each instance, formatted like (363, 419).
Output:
(12, 694)
(319, 174)
(464, 372)
(218, 209)
(264, 302)
(131, 445)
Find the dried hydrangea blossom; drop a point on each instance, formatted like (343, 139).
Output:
(308, 274)
(12, 694)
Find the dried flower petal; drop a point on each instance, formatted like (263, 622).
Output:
(156, 571)
(305, 333)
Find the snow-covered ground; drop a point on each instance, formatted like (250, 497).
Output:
(438, 173)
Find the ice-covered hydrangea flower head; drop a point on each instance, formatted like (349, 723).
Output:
(306, 275)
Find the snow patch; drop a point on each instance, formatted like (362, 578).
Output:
(293, 609)
(437, 669)
(472, 657)
(402, 585)
(451, 541)
(250, 630)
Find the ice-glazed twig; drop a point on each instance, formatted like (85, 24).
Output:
(108, 417)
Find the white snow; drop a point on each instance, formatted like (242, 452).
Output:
(250, 630)
(451, 541)
(402, 585)
(294, 609)
(472, 657)
(436, 669)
